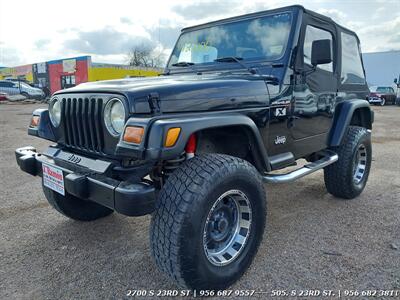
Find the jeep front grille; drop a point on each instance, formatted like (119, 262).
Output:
(82, 121)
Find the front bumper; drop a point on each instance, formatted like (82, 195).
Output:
(89, 182)
(374, 100)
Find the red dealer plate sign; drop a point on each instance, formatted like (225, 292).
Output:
(53, 178)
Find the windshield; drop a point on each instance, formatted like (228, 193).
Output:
(25, 85)
(379, 89)
(261, 38)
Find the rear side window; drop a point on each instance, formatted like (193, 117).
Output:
(313, 34)
(6, 84)
(352, 70)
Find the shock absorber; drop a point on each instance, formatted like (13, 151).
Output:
(171, 165)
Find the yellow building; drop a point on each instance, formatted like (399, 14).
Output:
(98, 71)
(59, 74)
(21, 72)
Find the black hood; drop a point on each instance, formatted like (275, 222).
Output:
(183, 93)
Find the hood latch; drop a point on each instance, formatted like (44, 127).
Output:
(154, 102)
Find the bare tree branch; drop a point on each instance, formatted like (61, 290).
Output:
(144, 55)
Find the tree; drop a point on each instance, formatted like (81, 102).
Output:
(144, 55)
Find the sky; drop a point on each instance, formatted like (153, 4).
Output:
(36, 31)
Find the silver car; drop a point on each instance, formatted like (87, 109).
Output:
(22, 88)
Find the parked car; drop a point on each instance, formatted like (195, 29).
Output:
(18, 87)
(382, 95)
(20, 80)
(239, 99)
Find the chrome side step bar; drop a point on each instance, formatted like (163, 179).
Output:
(328, 157)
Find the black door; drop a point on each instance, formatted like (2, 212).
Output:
(314, 95)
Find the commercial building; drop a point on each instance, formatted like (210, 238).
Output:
(63, 73)
(382, 67)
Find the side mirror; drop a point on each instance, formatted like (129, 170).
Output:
(395, 80)
(321, 52)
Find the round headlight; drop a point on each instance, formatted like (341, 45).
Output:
(114, 116)
(55, 112)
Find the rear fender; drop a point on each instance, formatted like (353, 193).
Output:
(350, 112)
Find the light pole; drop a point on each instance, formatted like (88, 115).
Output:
(397, 82)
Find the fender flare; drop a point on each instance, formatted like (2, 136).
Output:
(44, 129)
(156, 130)
(343, 114)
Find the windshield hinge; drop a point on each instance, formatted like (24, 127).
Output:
(154, 103)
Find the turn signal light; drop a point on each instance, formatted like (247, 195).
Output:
(35, 121)
(172, 136)
(133, 134)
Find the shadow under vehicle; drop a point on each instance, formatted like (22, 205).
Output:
(240, 98)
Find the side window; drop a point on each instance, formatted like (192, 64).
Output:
(391, 90)
(352, 70)
(313, 34)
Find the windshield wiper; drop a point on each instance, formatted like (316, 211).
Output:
(185, 64)
(251, 70)
(238, 60)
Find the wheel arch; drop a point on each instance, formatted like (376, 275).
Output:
(208, 129)
(355, 112)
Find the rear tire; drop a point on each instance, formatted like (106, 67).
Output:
(195, 221)
(348, 176)
(74, 207)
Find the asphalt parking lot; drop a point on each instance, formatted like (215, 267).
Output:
(312, 241)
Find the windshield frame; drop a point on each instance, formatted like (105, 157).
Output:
(217, 66)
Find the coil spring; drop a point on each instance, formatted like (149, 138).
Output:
(173, 164)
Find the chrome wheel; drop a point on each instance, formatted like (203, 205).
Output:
(227, 227)
(360, 164)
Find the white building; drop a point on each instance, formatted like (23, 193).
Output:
(382, 67)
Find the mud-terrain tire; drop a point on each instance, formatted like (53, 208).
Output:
(190, 210)
(75, 208)
(348, 176)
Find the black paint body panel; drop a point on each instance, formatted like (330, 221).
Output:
(294, 111)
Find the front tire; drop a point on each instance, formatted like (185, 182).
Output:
(348, 176)
(74, 207)
(26, 95)
(209, 221)
(383, 102)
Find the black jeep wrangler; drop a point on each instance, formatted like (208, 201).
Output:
(240, 98)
